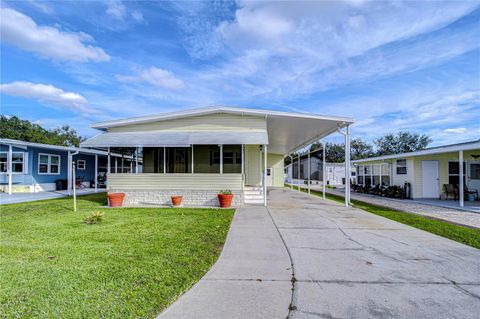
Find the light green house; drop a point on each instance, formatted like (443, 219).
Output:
(427, 171)
(196, 153)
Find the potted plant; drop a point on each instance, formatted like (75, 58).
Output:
(225, 198)
(115, 199)
(176, 200)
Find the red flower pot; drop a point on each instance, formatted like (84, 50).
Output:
(116, 199)
(177, 200)
(225, 200)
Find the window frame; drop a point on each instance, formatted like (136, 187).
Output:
(24, 163)
(456, 174)
(397, 166)
(49, 164)
(470, 170)
(84, 165)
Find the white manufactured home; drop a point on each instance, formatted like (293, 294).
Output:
(196, 153)
(432, 173)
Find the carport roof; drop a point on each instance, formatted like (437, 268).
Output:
(287, 131)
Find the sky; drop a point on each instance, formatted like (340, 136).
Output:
(391, 66)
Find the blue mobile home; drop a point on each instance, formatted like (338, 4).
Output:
(39, 167)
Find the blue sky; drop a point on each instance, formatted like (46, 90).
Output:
(390, 65)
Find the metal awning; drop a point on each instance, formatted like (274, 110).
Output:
(175, 138)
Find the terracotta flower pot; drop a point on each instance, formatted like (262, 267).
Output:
(116, 199)
(225, 200)
(177, 200)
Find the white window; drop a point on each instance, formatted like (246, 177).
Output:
(81, 165)
(48, 164)
(401, 167)
(3, 162)
(18, 162)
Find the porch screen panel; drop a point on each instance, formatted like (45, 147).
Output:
(232, 158)
(206, 159)
(153, 159)
(179, 159)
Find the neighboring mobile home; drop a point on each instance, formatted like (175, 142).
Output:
(35, 167)
(427, 171)
(334, 172)
(196, 153)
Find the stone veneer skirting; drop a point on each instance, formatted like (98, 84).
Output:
(163, 197)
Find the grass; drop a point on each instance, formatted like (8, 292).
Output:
(465, 235)
(132, 265)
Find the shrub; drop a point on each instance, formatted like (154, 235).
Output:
(94, 218)
(226, 192)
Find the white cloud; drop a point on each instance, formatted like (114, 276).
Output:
(137, 16)
(47, 41)
(286, 49)
(155, 76)
(47, 94)
(458, 130)
(116, 9)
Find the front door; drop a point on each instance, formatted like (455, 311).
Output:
(269, 177)
(473, 175)
(430, 179)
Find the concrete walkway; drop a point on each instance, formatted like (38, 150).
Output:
(251, 279)
(346, 264)
(352, 264)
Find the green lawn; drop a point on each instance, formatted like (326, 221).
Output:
(464, 235)
(132, 265)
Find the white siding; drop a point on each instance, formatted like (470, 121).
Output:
(252, 165)
(158, 181)
(275, 161)
(211, 122)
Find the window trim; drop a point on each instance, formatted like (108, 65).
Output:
(397, 166)
(49, 164)
(24, 168)
(84, 165)
(469, 170)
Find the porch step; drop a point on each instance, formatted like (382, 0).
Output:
(253, 195)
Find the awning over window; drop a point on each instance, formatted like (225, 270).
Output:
(175, 138)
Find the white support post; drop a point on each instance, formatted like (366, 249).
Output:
(308, 172)
(108, 162)
(460, 178)
(121, 165)
(291, 163)
(131, 166)
(192, 159)
(347, 166)
(164, 160)
(298, 170)
(221, 159)
(10, 168)
(72, 168)
(96, 172)
(324, 182)
(136, 160)
(116, 165)
(243, 166)
(69, 174)
(265, 175)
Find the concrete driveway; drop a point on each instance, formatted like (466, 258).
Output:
(345, 263)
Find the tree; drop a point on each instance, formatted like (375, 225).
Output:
(23, 130)
(360, 149)
(401, 142)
